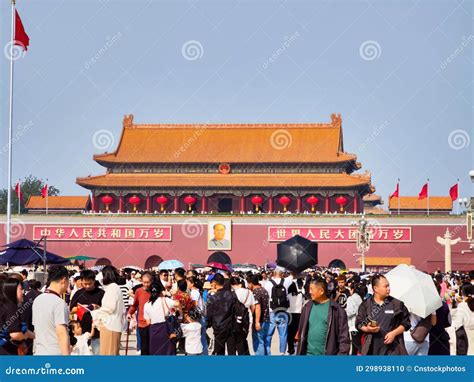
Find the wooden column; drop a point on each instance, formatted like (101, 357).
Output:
(242, 204)
(176, 203)
(203, 204)
(298, 204)
(270, 205)
(148, 202)
(355, 202)
(120, 203)
(327, 204)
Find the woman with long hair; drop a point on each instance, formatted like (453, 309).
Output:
(12, 331)
(296, 299)
(464, 320)
(156, 312)
(358, 293)
(110, 317)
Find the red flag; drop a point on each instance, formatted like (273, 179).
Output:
(453, 192)
(21, 38)
(396, 193)
(44, 191)
(81, 310)
(18, 191)
(424, 192)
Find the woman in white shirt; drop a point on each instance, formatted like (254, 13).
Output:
(296, 300)
(155, 313)
(463, 321)
(110, 317)
(358, 292)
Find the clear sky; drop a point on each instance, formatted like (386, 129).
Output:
(399, 72)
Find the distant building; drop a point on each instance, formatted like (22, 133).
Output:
(438, 205)
(371, 203)
(58, 204)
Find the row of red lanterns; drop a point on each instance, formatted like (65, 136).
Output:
(257, 200)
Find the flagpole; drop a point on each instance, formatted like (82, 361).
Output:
(456, 201)
(398, 196)
(428, 193)
(19, 196)
(10, 129)
(47, 196)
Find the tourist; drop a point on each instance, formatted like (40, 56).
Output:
(238, 343)
(382, 319)
(13, 332)
(83, 302)
(219, 314)
(296, 300)
(109, 318)
(342, 293)
(141, 297)
(155, 313)
(81, 346)
(179, 274)
(277, 288)
(186, 303)
(358, 292)
(323, 328)
(261, 317)
(165, 281)
(51, 315)
(191, 329)
(439, 337)
(27, 307)
(463, 321)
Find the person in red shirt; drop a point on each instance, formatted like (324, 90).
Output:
(142, 295)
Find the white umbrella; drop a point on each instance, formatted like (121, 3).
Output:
(416, 289)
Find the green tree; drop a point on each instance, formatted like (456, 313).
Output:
(30, 186)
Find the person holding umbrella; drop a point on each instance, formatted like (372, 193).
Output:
(382, 319)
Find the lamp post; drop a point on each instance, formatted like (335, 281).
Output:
(362, 238)
(464, 203)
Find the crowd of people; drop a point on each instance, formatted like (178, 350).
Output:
(215, 312)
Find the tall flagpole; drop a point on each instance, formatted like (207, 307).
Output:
(19, 196)
(10, 129)
(398, 196)
(456, 201)
(47, 192)
(428, 193)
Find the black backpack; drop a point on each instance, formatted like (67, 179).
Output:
(241, 318)
(279, 297)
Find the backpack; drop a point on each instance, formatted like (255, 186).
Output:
(279, 297)
(241, 318)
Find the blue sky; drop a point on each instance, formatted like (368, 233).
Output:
(399, 72)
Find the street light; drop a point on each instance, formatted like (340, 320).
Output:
(464, 203)
(362, 238)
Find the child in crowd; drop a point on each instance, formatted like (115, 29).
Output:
(80, 342)
(192, 332)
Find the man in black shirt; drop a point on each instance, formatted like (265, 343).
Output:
(382, 319)
(220, 309)
(342, 293)
(89, 296)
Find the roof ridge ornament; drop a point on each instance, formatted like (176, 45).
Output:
(336, 119)
(128, 120)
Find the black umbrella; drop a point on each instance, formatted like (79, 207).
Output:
(297, 254)
(26, 252)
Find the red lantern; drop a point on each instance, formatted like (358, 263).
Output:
(162, 200)
(313, 201)
(257, 200)
(284, 201)
(134, 201)
(341, 201)
(107, 200)
(189, 200)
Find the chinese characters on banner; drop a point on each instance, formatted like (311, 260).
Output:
(102, 233)
(341, 234)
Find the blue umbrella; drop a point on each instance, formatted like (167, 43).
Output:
(170, 264)
(26, 252)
